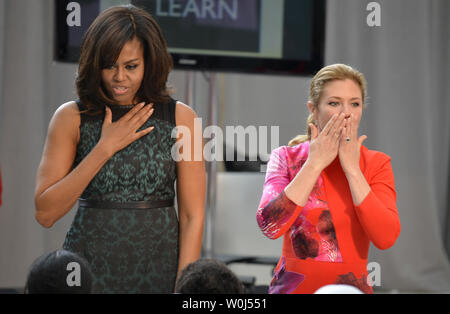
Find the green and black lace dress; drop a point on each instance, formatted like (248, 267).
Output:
(130, 250)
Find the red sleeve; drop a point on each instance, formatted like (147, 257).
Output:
(378, 213)
(276, 212)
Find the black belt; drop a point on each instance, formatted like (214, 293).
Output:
(126, 205)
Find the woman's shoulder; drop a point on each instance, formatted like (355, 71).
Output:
(291, 154)
(301, 149)
(66, 119)
(374, 155)
(374, 160)
(184, 115)
(68, 111)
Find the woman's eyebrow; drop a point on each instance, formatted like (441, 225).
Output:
(354, 98)
(133, 60)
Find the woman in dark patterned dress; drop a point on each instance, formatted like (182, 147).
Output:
(111, 150)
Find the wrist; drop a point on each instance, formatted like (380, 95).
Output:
(313, 166)
(104, 150)
(352, 172)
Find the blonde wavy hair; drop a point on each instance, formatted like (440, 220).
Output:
(329, 73)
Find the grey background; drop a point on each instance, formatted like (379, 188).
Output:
(405, 60)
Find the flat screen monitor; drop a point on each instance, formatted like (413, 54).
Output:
(252, 36)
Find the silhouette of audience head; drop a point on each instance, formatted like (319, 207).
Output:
(338, 289)
(208, 276)
(59, 272)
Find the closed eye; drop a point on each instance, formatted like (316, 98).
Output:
(131, 66)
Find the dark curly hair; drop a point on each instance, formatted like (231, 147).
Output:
(49, 274)
(208, 276)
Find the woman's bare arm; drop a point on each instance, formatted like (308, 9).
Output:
(58, 187)
(191, 185)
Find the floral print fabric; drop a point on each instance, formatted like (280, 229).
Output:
(312, 234)
(129, 250)
(309, 231)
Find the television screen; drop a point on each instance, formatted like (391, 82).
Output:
(255, 36)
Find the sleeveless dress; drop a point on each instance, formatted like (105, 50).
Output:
(129, 250)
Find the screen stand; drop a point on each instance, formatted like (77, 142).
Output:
(190, 89)
(211, 169)
(208, 250)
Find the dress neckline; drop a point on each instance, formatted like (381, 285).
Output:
(121, 107)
